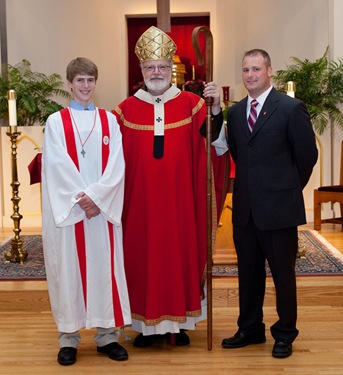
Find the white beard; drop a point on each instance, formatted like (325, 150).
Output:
(158, 84)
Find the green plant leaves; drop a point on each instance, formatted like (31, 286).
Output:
(36, 93)
(319, 84)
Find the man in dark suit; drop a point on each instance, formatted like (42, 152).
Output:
(274, 149)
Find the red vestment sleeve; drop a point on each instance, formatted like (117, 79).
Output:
(35, 169)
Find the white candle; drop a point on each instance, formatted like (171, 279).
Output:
(12, 107)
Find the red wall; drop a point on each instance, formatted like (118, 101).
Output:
(181, 33)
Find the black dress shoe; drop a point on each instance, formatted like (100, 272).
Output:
(114, 351)
(282, 349)
(144, 341)
(67, 356)
(181, 338)
(240, 339)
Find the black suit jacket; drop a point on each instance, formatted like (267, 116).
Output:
(273, 164)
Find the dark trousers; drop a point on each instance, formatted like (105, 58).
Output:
(280, 248)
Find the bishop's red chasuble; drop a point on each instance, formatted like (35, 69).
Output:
(164, 215)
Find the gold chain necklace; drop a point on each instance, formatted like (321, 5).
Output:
(83, 152)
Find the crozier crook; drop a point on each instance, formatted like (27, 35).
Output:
(209, 50)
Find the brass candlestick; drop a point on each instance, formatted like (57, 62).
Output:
(17, 254)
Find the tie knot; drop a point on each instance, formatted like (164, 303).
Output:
(254, 103)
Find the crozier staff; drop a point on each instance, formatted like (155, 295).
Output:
(164, 215)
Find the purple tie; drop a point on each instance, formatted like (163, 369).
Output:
(252, 115)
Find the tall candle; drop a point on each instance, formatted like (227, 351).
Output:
(226, 93)
(12, 107)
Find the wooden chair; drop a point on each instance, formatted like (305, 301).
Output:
(333, 194)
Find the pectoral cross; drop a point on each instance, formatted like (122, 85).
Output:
(83, 152)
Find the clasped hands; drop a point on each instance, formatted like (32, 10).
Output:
(90, 208)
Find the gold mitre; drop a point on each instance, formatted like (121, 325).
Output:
(154, 44)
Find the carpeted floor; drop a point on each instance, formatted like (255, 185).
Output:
(32, 269)
(320, 258)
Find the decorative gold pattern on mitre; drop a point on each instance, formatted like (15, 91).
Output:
(154, 44)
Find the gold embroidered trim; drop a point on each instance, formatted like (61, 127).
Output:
(118, 110)
(173, 125)
(196, 109)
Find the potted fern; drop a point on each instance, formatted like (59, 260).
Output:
(319, 84)
(35, 93)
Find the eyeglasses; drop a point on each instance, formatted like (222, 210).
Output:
(160, 68)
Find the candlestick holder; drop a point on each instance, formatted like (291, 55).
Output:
(226, 104)
(17, 254)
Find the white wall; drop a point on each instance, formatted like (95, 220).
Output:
(50, 33)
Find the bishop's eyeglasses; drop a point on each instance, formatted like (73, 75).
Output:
(160, 68)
